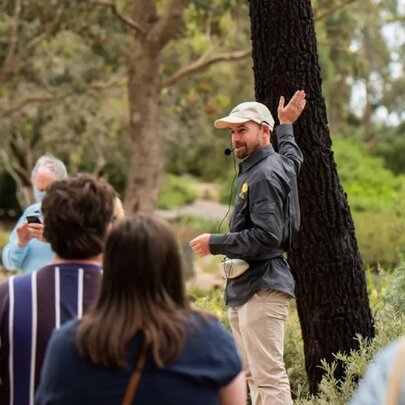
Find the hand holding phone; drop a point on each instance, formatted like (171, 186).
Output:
(34, 219)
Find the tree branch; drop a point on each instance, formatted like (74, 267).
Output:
(113, 82)
(332, 10)
(166, 26)
(112, 4)
(203, 63)
(48, 29)
(394, 19)
(23, 192)
(12, 40)
(5, 159)
(30, 100)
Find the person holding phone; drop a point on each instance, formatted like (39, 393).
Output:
(27, 249)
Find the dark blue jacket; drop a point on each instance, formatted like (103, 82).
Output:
(266, 211)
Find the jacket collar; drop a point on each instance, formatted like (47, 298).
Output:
(252, 160)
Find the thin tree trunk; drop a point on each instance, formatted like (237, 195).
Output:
(368, 134)
(331, 288)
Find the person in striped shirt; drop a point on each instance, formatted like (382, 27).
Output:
(77, 214)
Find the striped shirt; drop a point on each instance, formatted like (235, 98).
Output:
(31, 306)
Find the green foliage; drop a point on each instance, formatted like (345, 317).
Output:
(391, 147)
(394, 294)
(3, 241)
(369, 185)
(381, 238)
(197, 223)
(212, 28)
(176, 191)
(212, 302)
(377, 201)
(3, 238)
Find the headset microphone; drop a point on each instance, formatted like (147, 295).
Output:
(228, 151)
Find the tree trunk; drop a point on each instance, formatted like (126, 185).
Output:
(151, 32)
(331, 288)
(368, 134)
(147, 155)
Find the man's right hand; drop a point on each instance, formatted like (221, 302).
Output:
(289, 114)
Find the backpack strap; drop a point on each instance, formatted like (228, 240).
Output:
(134, 380)
(396, 377)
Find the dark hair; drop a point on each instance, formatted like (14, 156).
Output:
(77, 212)
(142, 292)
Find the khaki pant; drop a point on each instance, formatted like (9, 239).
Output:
(258, 328)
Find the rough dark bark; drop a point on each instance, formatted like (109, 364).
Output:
(331, 288)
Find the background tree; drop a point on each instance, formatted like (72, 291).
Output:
(53, 86)
(154, 25)
(331, 289)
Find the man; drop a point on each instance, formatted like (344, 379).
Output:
(77, 213)
(266, 211)
(27, 249)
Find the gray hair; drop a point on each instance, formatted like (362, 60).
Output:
(56, 166)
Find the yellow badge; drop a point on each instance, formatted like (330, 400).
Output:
(243, 191)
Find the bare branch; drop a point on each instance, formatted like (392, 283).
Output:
(48, 29)
(112, 4)
(30, 100)
(12, 40)
(203, 63)
(113, 82)
(19, 58)
(332, 10)
(167, 24)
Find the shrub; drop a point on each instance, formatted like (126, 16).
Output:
(176, 191)
(389, 316)
(368, 184)
(394, 294)
(212, 302)
(381, 238)
(389, 325)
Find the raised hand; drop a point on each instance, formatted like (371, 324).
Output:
(289, 114)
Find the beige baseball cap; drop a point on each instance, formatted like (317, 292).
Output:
(247, 111)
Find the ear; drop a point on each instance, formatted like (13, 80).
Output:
(266, 130)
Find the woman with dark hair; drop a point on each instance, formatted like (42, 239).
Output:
(142, 329)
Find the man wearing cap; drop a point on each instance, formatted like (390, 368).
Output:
(266, 212)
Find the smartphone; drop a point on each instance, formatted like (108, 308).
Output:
(33, 219)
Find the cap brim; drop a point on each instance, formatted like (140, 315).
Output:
(226, 122)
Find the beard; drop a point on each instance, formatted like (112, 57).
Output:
(242, 152)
